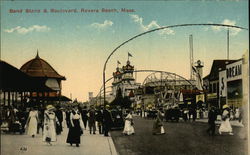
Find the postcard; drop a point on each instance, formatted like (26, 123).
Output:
(124, 77)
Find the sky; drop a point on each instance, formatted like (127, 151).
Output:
(77, 44)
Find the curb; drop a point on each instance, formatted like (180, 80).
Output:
(112, 146)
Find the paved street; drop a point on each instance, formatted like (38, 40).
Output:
(26, 145)
(183, 138)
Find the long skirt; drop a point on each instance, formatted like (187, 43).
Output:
(225, 126)
(128, 128)
(74, 133)
(32, 126)
(158, 128)
(49, 131)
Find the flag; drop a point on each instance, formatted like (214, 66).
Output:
(118, 62)
(130, 55)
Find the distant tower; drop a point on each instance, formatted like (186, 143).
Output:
(117, 80)
(128, 80)
(199, 73)
(90, 95)
(191, 58)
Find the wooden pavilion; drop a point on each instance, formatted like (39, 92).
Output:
(35, 82)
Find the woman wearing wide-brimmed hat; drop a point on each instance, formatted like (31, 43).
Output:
(50, 120)
(225, 126)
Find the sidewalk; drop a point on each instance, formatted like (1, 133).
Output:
(233, 122)
(12, 144)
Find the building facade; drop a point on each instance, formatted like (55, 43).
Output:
(228, 82)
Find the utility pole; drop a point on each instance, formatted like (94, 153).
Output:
(191, 56)
(227, 43)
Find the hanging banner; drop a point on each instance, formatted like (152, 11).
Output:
(223, 83)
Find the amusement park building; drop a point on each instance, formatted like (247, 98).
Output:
(211, 81)
(227, 82)
(158, 88)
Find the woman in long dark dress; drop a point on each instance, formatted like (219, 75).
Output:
(158, 128)
(76, 127)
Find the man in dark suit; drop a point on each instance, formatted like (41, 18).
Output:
(59, 115)
(85, 118)
(107, 120)
(211, 121)
(99, 119)
(92, 119)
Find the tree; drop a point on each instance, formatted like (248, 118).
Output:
(123, 102)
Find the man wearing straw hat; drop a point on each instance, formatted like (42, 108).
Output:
(225, 126)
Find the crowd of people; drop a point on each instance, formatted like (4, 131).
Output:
(53, 119)
(187, 114)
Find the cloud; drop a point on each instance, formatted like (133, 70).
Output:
(101, 26)
(233, 31)
(152, 25)
(24, 30)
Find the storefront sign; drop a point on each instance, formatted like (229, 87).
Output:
(211, 96)
(200, 98)
(234, 71)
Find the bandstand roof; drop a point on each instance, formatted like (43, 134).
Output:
(38, 67)
(12, 79)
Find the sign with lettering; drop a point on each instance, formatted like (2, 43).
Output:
(200, 97)
(211, 96)
(223, 83)
(234, 71)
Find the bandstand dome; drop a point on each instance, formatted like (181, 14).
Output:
(38, 67)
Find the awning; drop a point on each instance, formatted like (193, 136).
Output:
(12, 79)
(54, 98)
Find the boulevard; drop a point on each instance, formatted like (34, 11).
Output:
(182, 138)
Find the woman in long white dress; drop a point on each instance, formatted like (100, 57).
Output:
(31, 124)
(225, 126)
(237, 113)
(129, 125)
(50, 120)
